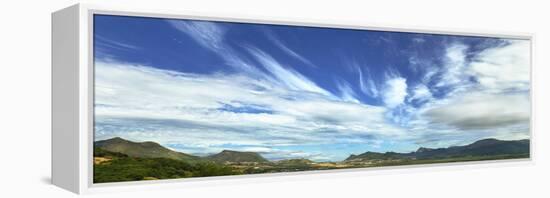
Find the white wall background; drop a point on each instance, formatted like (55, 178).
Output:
(25, 98)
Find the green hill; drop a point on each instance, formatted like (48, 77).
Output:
(142, 149)
(236, 157)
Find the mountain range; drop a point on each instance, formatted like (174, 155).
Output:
(485, 147)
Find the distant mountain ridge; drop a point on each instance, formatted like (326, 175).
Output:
(483, 147)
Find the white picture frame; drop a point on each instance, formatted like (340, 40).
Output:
(72, 99)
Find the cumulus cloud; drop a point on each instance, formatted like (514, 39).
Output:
(395, 91)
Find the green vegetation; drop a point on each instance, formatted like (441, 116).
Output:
(120, 167)
(99, 152)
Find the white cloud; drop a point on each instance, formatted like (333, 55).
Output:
(211, 36)
(395, 91)
(346, 92)
(503, 68)
(105, 46)
(421, 92)
(486, 95)
(482, 111)
(145, 103)
(454, 66)
(496, 105)
(101, 41)
(287, 76)
(207, 34)
(367, 85)
(500, 68)
(289, 51)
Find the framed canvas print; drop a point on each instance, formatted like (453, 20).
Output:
(151, 98)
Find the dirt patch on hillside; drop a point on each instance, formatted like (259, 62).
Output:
(101, 160)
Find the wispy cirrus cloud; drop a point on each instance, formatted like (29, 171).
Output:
(207, 34)
(346, 91)
(287, 76)
(211, 36)
(366, 84)
(102, 41)
(104, 46)
(289, 51)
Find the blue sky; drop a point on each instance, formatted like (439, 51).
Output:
(302, 92)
